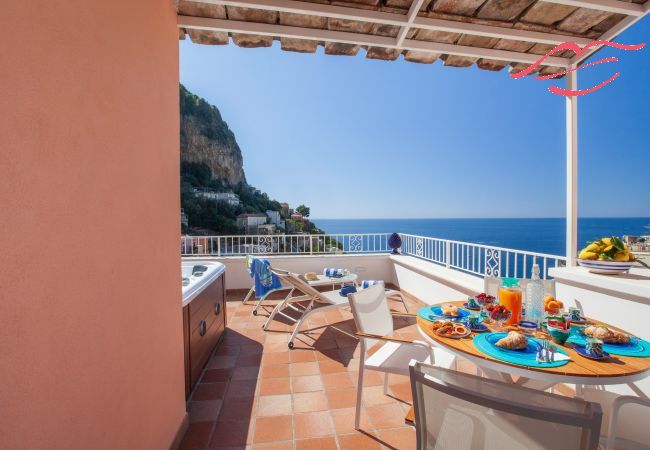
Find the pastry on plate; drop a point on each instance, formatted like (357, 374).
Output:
(449, 309)
(606, 335)
(513, 341)
(311, 276)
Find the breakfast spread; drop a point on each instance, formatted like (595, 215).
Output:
(449, 328)
(513, 341)
(449, 310)
(607, 335)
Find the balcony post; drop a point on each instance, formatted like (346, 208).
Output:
(447, 254)
(571, 171)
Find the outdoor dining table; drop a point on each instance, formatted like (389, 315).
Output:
(579, 370)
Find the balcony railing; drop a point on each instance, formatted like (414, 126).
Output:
(476, 259)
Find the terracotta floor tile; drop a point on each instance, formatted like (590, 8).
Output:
(386, 416)
(374, 395)
(298, 356)
(275, 371)
(216, 375)
(203, 411)
(304, 368)
(400, 438)
(309, 402)
(286, 445)
(273, 405)
(340, 380)
(309, 383)
(246, 373)
(311, 425)
(401, 391)
(241, 388)
(331, 366)
(209, 391)
(342, 398)
(275, 358)
(275, 386)
(237, 410)
(328, 354)
(231, 434)
(225, 350)
(360, 441)
(197, 436)
(271, 429)
(251, 349)
(344, 420)
(323, 443)
(273, 338)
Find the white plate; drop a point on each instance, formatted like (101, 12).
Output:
(606, 267)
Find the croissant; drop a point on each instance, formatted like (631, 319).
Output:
(513, 341)
(449, 310)
(606, 335)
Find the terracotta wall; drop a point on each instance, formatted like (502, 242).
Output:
(90, 289)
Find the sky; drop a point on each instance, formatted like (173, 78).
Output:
(353, 137)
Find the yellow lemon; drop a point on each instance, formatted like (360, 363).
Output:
(587, 255)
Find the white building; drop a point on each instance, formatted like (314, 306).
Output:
(230, 198)
(249, 222)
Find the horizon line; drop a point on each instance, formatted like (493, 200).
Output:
(473, 218)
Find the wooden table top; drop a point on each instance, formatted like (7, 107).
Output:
(615, 366)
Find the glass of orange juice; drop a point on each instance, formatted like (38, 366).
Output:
(510, 297)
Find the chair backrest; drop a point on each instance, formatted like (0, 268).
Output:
(462, 411)
(371, 312)
(491, 286)
(294, 280)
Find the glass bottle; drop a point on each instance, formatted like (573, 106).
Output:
(535, 298)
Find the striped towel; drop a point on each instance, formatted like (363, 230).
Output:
(333, 272)
(365, 284)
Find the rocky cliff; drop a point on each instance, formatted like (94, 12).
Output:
(206, 138)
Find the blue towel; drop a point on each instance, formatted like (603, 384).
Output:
(333, 272)
(265, 280)
(365, 284)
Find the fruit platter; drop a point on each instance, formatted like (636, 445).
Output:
(607, 256)
(449, 329)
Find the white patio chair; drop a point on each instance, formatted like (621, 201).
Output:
(491, 286)
(462, 411)
(374, 323)
(390, 293)
(329, 300)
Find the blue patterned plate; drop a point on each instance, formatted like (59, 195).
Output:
(580, 350)
(466, 305)
(480, 328)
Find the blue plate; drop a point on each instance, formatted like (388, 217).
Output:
(527, 357)
(435, 312)
(636, 348)
(480, 329)
(580, 350)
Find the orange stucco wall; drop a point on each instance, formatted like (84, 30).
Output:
(91, 349)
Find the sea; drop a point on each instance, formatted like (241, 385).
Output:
(544, 235)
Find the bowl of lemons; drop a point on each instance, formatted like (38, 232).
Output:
(607, 256)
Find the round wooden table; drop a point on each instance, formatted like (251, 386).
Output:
(579, 370)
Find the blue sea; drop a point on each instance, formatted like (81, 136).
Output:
(538, 235)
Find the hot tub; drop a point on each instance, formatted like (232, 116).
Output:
(197, 275)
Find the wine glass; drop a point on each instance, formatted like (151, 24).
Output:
(484, 300)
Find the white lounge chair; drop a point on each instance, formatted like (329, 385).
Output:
(328, 300)
(374, 323)
(390, 293)
(462, 411)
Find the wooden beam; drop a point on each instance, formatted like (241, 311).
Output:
(410, 17)
(317, 34)
(613, 6)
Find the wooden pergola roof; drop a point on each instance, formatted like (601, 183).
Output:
(492, 34)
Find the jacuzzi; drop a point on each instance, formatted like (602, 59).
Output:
(197, 275)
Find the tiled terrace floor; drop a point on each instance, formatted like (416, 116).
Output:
(256, 393)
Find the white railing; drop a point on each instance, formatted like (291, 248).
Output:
(280, 244)
(479, 259)
(476, 259)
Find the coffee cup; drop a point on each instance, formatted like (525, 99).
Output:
(575, 314)
(474, 321)
(472, 303)
(594, 347)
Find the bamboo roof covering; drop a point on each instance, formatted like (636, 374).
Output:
(493, 34)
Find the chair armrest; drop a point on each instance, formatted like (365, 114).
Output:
(613, 420)
(385, 338)
(397, 313)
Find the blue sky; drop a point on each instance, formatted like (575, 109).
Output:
(358, 138)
